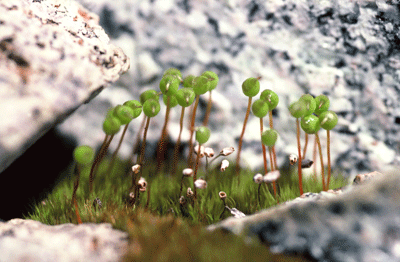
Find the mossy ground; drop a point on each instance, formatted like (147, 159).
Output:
(176, 230)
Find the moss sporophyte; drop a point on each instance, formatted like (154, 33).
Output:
(194, 189)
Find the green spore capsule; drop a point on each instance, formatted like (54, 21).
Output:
(251, 87)
(328, 120)
(83, 155)
(260, 108)
(123, 113)
(189, 81)
(202, 134)
(310, 103)
(185, 96)
(172, 101)
(212, 77)
(201, 85)
(298, 109)
(310, 124)
(111, 125)
(148, 94)
(151, 107)
(136, 107)
(169, 84)
(174, 72)
(322, 104)
(270, 97)
(269, 137)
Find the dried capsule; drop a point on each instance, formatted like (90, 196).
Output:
(200, 183)
(222, 195)
(227, 151)
(187, 172)
(292, 159)
(306, 163)
(97, 203)
(258, 178)
(196, 149)
(142, 184)
(182, 200)
(136, 168)
(224, 165)
(271, 176)
(208, 151)
(189, 193)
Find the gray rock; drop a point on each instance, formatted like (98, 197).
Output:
(347, 50)
(53, 58)
(360, 224)
(28, 240)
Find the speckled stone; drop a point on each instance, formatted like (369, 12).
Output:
(29, 240)
(347, 50)
(54, 57)
(359, 224)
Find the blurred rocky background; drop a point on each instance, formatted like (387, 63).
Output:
(347, 50)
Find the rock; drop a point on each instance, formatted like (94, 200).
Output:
(346, 50)
(53, 58)
(360, 224)
(28, 240)
(362, 178)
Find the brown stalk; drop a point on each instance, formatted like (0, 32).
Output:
(322, 162)
(192, 121)
(208, 111)
(241, 139)
(162, 145)
(178, 142)
(99, 157)
(299, 152)
(328, 139)
(305, 147)
(76, 184)
(114, 155)
(195, 171)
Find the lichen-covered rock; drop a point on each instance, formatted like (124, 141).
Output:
(53, 57)
(29, 240)
(360, 224)
(347, 50)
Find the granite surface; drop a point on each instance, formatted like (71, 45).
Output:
(54, 57)
(29, 240)
(359, 224)
(347, 50)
